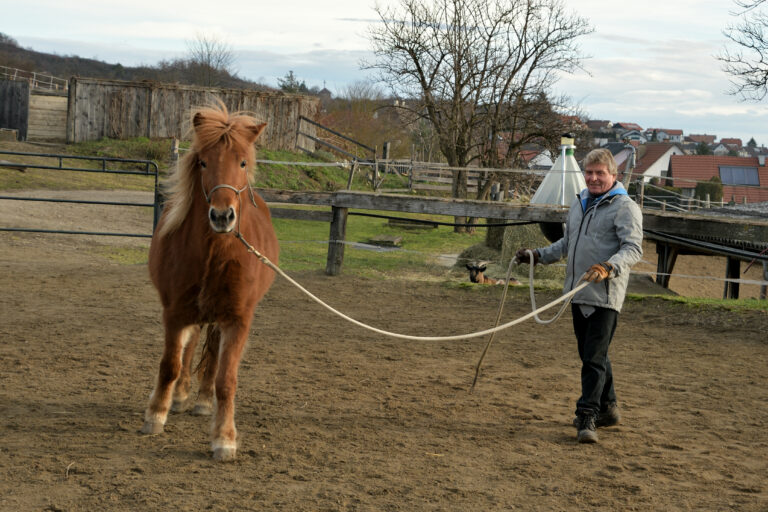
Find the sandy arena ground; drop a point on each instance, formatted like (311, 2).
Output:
(332, 417)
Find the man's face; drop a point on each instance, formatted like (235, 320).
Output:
(599, 179)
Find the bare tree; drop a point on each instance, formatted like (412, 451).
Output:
(211, 57)
(747, 63)
(473, 64)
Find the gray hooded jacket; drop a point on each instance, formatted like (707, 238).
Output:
(611, 230)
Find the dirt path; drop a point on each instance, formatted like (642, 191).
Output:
(335, 418)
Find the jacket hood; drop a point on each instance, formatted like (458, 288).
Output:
(617, 190)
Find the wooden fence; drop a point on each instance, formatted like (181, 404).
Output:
(119, 109)
(14, 106)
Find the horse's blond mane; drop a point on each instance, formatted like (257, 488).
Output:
(211, 125)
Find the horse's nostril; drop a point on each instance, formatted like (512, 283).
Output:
(231, 214)
(212, 215)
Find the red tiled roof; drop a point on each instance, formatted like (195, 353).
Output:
(727, 142)
(668, 132)
(707, 139)
(686, 168)
(628, 126)
(653, 151)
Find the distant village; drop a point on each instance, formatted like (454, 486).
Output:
(671, 158)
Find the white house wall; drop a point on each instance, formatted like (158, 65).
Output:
(661, 165)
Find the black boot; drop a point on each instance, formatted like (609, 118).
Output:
(587, 430)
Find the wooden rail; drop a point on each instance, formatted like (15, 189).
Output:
(682, 224)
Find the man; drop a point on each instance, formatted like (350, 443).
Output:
(602, 240)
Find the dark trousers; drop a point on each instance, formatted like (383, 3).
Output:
(594, 335)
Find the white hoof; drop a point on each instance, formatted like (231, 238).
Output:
(202, 410)
(152, 427)
(179, 405)
(224, 451)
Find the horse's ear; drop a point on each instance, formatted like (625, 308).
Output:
(256, 130)
(198, 119)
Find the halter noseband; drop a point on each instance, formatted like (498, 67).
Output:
(224, 185)
(237, 192)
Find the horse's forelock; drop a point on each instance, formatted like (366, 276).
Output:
(211, 126)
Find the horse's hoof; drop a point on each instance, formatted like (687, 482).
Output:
(152, 428)
(179, 406)
(224, 454)
(202, 410)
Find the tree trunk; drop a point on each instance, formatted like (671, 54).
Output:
(459, 191)
(494, 236)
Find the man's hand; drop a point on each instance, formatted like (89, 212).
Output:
(522, 256)
(598, 272)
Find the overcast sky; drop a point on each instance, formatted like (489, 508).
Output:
(652, 62)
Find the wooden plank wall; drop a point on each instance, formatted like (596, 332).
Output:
(119, 109)
(14, 106)
(47, 117)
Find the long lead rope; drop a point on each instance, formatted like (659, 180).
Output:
(477, 334)
(512, 262)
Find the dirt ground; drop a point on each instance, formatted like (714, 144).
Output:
(332, 417)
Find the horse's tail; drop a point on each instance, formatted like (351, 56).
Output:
(210, 350)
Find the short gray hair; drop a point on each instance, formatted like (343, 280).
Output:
(601, 156)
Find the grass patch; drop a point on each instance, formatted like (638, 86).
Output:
(304, 246)
(123, 255)
(706, 303)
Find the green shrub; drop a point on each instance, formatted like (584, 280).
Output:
(713, 187)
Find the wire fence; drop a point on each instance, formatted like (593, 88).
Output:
(36, 80)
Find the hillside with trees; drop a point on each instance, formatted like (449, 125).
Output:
(208, 63)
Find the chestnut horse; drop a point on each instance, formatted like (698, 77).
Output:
(204, 274)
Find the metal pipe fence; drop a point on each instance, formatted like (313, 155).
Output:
(105, 165)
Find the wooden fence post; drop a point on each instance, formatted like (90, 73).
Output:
(352, 174)
(640, 191)
(336, 242)
(732, 271)
(764, 288)
(174, 152)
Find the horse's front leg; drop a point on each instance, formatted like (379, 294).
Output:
(176, 338)
(209, 362)
(224, 436)
(184, 382)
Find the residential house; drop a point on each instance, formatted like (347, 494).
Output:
(633, 135)
(760, 153)
(601, 131)
(600, 126)
(744, 179)
(653, 159)
(625, 127)
(734, 144)
(706, 139)
(535, 159)
(621, 151)
(664, 135)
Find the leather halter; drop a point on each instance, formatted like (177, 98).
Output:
(237, 192)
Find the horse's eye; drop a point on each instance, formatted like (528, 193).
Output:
(242, 164)
(202, 164)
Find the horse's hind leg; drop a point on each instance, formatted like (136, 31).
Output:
(184, 382)
(209, 363)
(176, 337)
(224, 443)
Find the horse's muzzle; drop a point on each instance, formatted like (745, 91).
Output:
(222, 221)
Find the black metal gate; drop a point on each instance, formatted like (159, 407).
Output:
(106, 165)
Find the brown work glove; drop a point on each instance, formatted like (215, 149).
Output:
(522, 256)
(598, 272)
